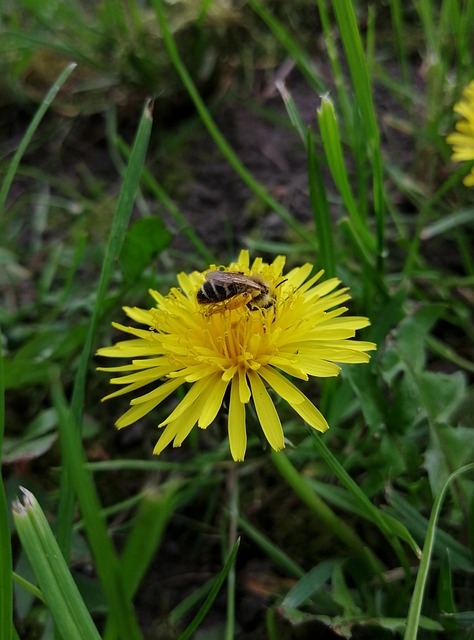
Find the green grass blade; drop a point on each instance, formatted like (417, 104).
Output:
(292, 110)
(6, 583)
(462, 38)
(44, 106)
(372, 513)
(339, 75)
(373, 279)
(57, 584)
(117, 234)
(308, 584)
(447, 223)
(331, 138)
(271, 550)
(404, 512)
(232, 526)
(157, 190)
(297, 54)
(320, 208)
(399, 29)
(414, 612)
(205, 115)
(6, 567)
(156, 508)
(28, 586)
(115, 15)
(190, 602)
(201, 614)
(448, 353)
(350, 36)
(425, 9)
(446, 587)
(344, 12)
(107, 562)
(325, 514)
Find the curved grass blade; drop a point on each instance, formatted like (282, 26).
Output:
(201, 614)
(56, 582)
(320, 208)
(308, 584)
(226, 150)
(331, 138)
(155, 509)
(123, 621)
(271, 550)
(414, 612)
(344, 12)
(460, 556)
(160, 194)
(296, 52)
(117, 234)
(325, 514)
(6, 568)
(292, 110)
(44, 106)
(372, 513)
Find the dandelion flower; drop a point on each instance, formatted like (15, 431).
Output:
(235, 347)
(462, 140)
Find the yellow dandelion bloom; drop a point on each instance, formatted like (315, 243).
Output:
(242, 346)
(462, 140)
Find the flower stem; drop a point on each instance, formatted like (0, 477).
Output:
(233, 501)
(324, 513)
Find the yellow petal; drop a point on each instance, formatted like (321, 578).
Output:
(300, 403)
(266, 412)
(143, 316)
(144, 376)
(160, 392)
(244, 389)
(138, 410)
(469, 179)
(166, 437)
(236, 425)
(123, 391)
(281, 385)
(194, 395)
(243, 260)
(311, 415)
(298, 275)
(187, 421)
(312, 365)
(215, 395)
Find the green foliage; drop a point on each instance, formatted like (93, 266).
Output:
(56, 583)
(366, 529)
(146, 239)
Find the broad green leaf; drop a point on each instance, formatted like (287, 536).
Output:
(144, 241)
(308, 584)
(412, 334)
(441, 393)
(21, 450)
(450, 449)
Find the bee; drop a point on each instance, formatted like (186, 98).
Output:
(235, 289)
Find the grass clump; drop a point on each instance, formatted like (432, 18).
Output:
(337, 144)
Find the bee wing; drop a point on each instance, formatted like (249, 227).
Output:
(231, 277)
